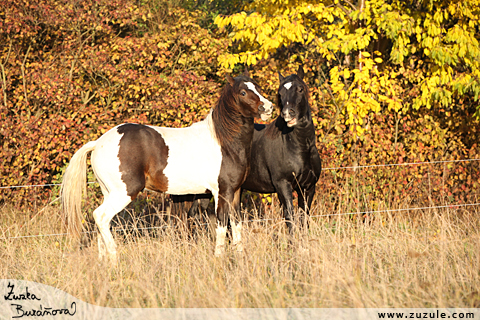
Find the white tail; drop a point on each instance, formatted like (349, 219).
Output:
(74, 184)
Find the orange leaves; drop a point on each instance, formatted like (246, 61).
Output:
(93, 65)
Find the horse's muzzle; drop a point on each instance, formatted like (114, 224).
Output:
(266, 110)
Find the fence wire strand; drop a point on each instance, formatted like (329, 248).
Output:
(323, 169)
(452, 206)
(399, 164)
(38, 185)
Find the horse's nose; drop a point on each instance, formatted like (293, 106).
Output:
(288, 112)
(261, 108)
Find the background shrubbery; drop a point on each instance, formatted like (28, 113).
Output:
(71, 70)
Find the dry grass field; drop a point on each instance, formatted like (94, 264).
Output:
(423, 258)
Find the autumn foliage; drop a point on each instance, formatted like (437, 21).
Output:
(392, 82)
(380, 93)
(71, 70)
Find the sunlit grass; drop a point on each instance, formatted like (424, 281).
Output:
(428, 258)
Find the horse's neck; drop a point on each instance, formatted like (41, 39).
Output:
(208, 121)
(245, 135)
(235, 131)
(303, 134)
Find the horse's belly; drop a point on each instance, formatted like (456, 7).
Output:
(192, 177)
(258, 182)
(187, 187)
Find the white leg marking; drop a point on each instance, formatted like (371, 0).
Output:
(220, 245)
(237, 235)
(102, 249)
(112, 204)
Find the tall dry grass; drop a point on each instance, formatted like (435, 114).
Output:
(428, 258)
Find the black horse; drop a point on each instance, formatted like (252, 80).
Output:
(284, 157)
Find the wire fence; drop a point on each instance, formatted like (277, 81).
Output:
(323, 169)
(401, 164)
(38, 185)
(451, 206)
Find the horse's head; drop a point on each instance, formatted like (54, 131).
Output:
(248, 95)
(293, 98)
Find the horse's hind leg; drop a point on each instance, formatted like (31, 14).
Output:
(101, 244)
(113, 203)
(227, 209)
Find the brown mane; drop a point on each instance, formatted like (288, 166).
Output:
(226, 117)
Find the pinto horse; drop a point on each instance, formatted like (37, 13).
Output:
(284, 155)
(210, 156)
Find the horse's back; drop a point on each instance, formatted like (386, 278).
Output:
(131, 157)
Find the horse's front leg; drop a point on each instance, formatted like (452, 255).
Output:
(227, 206)
(222, 203)
(284, 190)
(236, 221)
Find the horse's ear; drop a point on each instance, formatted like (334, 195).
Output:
(246, 73)
(230, 80)
(300, 72)
(280, 77)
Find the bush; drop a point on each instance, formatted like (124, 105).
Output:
(72, 70)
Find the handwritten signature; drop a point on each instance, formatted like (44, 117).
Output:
(38, 312)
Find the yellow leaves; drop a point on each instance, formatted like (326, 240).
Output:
(115, 57)
(264, 31)
(238, 19)
(363, 91)
(220, 21)
(451, 9)
(329, 18)
(251, 59)
(360, 85)
(162, 45)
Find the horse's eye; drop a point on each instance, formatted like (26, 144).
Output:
(300, 89)
(243, 93)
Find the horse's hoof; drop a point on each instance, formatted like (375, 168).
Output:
(219, 251)
(303, 250)
(239, 248)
